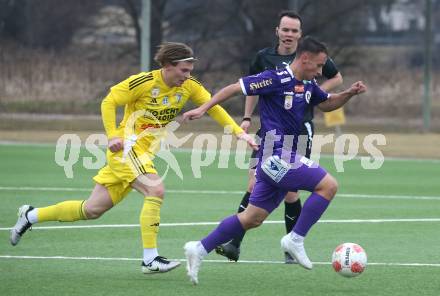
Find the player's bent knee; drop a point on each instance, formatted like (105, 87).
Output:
(327, 187)
(157, 191)
(291, 197)
(94, 213)
(256, 223)
(251, 223)
(331, 186)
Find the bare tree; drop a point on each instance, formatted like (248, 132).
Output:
(43, 23)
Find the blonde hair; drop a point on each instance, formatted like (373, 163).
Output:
(172, 53)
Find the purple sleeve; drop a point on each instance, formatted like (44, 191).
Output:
(318, 95)
(260, 84)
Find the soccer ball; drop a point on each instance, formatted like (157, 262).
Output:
(349, 259)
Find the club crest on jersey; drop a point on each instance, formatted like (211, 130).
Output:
(155, 92)
(165, 100)
(288, 102)
(299, 88)
(308, 96)
(178, 97)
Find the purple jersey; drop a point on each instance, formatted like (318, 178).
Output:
(283, 104)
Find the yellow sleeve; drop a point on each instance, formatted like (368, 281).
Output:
(120, 94)
(199, 95)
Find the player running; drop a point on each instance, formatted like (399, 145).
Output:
(279, 56)
(285, 95)
(151, 101)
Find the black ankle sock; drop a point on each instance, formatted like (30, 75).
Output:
(291, 214)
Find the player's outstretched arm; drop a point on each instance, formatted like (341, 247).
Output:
(249, 139)
(224, 94)
(339, 99)
(249, 106)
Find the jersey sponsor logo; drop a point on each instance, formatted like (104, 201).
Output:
(155, 92)
(257, 85)
(288, 102)
(162, 115)
(150, 125)
(275, 167)
(299, 88)
(308, 96)
(284, 80)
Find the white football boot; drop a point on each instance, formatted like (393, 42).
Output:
(289, 259)
(193, 260)
(159, 265)
(296, 250)
(21, 226)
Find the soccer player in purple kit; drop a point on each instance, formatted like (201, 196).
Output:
(288, 32)
(284, 96)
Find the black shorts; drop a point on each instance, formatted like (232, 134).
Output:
(304, 143)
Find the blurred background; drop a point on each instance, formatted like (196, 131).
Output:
(59, 58)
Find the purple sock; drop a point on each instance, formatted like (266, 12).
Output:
(312, 210)
(228, 229)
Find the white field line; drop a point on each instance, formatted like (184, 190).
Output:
(220, 192)
(216, 223)
(210, 261)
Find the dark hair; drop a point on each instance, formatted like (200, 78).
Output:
(289, 13)
(172, 53)
(310, 44)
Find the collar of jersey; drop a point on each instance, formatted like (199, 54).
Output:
(288, 69)
(159, 80)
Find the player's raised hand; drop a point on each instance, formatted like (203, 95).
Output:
(358, 88)
(115, 144)
(193, 114)
(250, 140)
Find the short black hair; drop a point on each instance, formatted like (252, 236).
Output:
(310, 44)
(289, 13)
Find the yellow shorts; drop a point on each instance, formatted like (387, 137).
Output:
(119, 173)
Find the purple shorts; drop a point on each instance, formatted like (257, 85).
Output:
(275, 178)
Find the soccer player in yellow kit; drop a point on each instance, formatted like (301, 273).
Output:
(151, 101)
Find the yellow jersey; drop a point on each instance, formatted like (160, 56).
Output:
(151, 104)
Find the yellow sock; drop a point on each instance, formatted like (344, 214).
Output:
(66, 211)
(149, 220)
